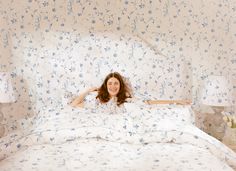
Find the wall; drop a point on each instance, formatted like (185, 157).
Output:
(198, 35)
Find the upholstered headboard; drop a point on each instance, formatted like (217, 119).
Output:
(71, 62)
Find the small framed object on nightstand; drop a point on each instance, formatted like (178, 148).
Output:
(230, 132)
(229, 138)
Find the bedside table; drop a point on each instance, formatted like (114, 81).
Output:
(229, 138)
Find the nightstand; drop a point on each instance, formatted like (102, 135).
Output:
(229, 138)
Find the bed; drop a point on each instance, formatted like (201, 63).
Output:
(142, 138)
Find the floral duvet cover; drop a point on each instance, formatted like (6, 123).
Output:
(142, 138)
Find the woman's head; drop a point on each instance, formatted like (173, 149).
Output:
(113, 86)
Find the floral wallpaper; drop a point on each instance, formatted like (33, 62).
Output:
(51, 47)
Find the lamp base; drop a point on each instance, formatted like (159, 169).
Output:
(216, 126)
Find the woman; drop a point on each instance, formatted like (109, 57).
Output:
(113, 91)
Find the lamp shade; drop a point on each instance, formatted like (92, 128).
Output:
(216, 92)
(6, 89)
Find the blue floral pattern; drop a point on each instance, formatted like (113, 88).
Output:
(56, 49)
(63, 134)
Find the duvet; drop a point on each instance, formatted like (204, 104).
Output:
(142, 138)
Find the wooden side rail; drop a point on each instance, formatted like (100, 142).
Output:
(177, 102)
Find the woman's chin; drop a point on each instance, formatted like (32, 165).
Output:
(113, 95)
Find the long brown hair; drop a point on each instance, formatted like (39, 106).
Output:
(123, 94)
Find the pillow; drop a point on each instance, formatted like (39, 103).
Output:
(182, 114)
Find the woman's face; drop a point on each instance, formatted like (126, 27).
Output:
(113, 86)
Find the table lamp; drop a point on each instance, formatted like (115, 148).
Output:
(6, 96)
(216, 93)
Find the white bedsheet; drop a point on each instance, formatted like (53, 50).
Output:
(159, 138)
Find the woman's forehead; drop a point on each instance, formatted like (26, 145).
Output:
(112, 79)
